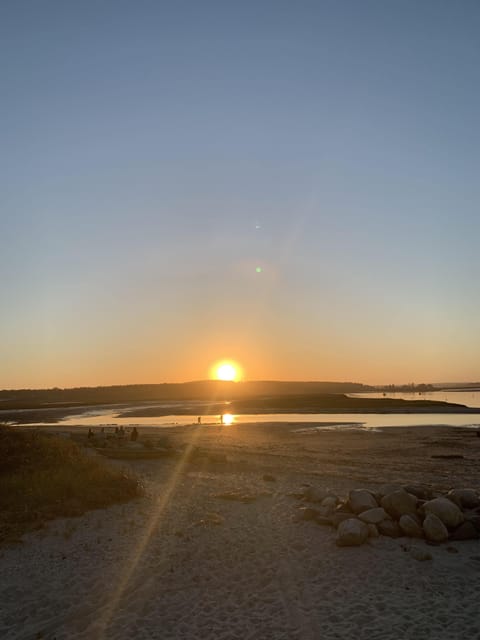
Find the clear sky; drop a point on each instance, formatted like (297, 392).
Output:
(293, 185)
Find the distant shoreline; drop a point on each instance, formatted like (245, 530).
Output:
(294, 404)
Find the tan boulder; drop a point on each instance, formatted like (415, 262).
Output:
(361, 500)
(465, 531)
(340, 516)
(399, 503)
(389, 528)
(410, 527)
(446, 510)
(374, 516)
(351, 532)
(434, 529)
(466, 498)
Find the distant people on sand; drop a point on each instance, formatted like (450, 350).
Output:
(199, 420)
(134, 435)
(90, 434)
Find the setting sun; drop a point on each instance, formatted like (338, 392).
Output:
(228, 371)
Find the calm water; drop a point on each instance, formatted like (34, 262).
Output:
(328, 420)
(106, 417)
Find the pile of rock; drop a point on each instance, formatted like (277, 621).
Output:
(412, 511)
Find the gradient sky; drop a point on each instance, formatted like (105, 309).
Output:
(154, 154)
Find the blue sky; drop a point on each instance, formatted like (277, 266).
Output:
(154, 154)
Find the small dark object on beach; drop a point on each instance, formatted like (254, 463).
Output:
(448, 456)
(269, 478)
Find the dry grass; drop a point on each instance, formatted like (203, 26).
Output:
(44, 477)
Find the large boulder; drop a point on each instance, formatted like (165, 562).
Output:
(399, 503)
(434, 529)
(466, 531)
(446, 510)
(389, 528)
(420, 491)
(474, 519)
(464, 498)
(352, 532)
(372, 531)
(361, 500)
(385, 489)
(328, 504)
(374, 516)
(410, 526)
(338, 517)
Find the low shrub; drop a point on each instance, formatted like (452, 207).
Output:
(44, 476)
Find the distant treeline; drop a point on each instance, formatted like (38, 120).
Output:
(407, 388)
(208, 390)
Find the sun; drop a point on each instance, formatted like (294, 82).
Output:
(226, 370)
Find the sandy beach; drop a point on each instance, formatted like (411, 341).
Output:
(183, 562)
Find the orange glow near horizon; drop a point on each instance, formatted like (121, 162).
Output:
(226, 370)
(227, 418)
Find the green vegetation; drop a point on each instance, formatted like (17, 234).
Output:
(44, 477)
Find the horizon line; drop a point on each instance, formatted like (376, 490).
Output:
(235, 382)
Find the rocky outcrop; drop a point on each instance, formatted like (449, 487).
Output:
(453, 516)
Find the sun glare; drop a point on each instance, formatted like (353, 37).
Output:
(227, 418)
(228, 371)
